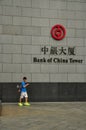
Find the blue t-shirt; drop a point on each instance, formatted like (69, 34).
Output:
(23, 88)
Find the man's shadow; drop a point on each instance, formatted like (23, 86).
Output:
(0, 109)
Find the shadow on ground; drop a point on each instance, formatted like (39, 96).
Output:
(0, 109)
(44, 116)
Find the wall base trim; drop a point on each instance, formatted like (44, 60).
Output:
(45, 92)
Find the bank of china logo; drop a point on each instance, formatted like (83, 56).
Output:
(58, 32)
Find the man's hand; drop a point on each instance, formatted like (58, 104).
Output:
(27, 85)
(18, 90)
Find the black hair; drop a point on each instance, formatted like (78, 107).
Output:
(24, 78)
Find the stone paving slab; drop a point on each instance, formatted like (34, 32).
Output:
(44, 116)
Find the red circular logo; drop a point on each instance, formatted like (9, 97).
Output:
(58, 32)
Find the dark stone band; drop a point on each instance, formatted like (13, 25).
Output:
(45, 92)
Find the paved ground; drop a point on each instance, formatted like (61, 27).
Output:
(43, 116)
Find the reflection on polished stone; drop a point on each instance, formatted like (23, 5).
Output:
(44, 116)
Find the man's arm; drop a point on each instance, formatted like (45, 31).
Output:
(24, 85)
(27, 84)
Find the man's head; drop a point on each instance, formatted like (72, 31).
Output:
(25, 79)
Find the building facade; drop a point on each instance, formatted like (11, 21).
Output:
(56, 69)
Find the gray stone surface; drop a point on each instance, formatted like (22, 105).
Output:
(0, 28)
(60, 43)
(57, 20)
(35, 31)
(81, 33)
(0, 9)
(80, 15)
(0, 67)
(5, 77)
(5, 20)
(45, 31)
(22, 40)
(22, 3)
(81, 51)
(40, 22)
(81, 68)
(6, 58)
(11, 11)
(40, 3)
(76, 24)
(46, 13)
(16, 77)
(58, 77)
(0, 48)
(25, 21)
(6, 2)
(12, 30)
(85, 24)
(64, 14)
(49, 68)
(5, 39)
(75, 41)
(40, 77)
(28, 49)
(25, 27)
(40, 116)
(12, 68)
(12, 49)
(67, 68)
(58, 4)
(85, 41)
(21, 58)
(31, 12)
(34, 68)
(40, 40)
(76, 77)
(75, 6)
(71, 32)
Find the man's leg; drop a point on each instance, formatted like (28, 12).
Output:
(26, 100)
(20, 101)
